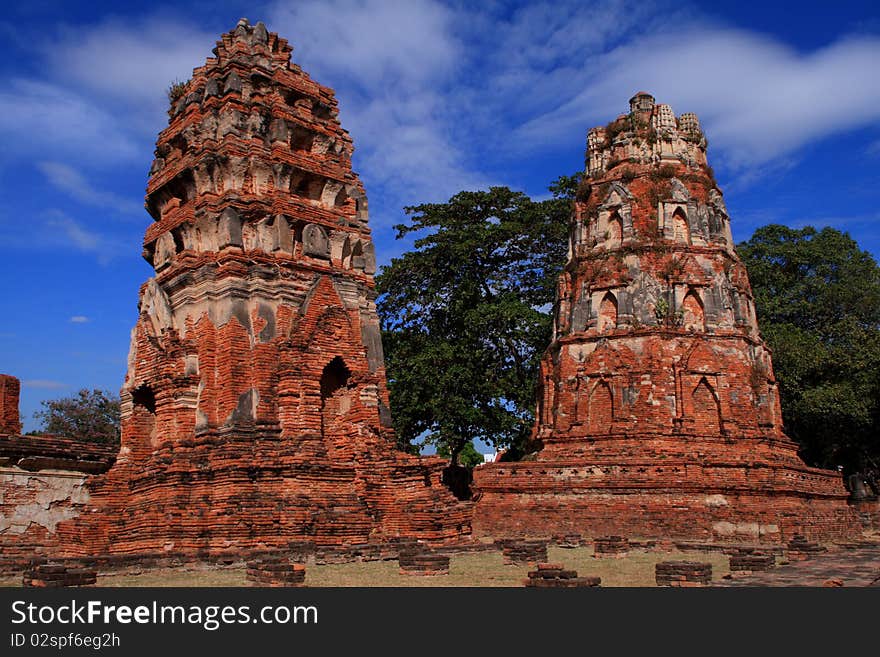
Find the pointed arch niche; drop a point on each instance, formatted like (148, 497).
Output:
(607, 318)
(601, 408)
(706, 408)
(336, 398)
(693, 316)
(681, 232)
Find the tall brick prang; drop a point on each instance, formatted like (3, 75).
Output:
(255, 408)
(659, 411)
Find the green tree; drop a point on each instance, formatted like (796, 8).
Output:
(90, 416)
(466, 315)
(818, 302)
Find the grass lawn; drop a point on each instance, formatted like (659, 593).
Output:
(474, 569)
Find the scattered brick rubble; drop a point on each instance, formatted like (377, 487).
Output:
(683, 573)
(611, 546)
(658, 414)
(275, 572)
(50, 575)
(551, 575)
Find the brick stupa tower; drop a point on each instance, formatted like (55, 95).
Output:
(255, 409)
(659, 411)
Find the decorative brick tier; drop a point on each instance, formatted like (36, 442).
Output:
(522, 552)
(658, 413)
(683, 573)
(50, 575)
(554, 576)
(610, 546)
(275, 572)
(255, 407)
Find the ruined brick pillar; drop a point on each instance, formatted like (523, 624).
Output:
(659, 410)
(255, 408)
(10, 388)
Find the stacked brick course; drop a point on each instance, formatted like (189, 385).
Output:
(255, 409)
(659, 413)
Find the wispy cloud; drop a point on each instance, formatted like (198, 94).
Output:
(68, 179)
(38, 116)
(758, 98)
(44, 384)
(79, 319)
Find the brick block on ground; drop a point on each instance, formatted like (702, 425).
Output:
(423, 563)
(611, 546)
(551, 575)
(800, 549)
(745, 562)
(682, 573)
(275, 572)
(523, 551)
(50, 575)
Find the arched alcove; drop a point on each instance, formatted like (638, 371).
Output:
(680, 229)
(607, 320)
(143, 401)
(601, 411)
(706, 409)
(693, 318)
(335, 396)
(614, 235)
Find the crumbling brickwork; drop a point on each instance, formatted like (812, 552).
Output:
(43, 482)
(255, 408)
(659, 410)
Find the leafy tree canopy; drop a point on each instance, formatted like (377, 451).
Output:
(467, 314)
(818, 302)
(90, 416)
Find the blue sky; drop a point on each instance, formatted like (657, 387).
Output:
(438, 96)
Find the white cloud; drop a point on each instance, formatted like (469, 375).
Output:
(134, 61)
(44, 384)
(42, 117)
(757, 98)
(79, 319)
(393, 68)
(70, 180)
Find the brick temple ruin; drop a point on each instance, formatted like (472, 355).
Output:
(255, 408)
(659, 412)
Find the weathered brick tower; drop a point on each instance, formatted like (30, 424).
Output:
(659, 413)
(255, 409)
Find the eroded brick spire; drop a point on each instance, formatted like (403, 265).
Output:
(659, 411)
(255, 408)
